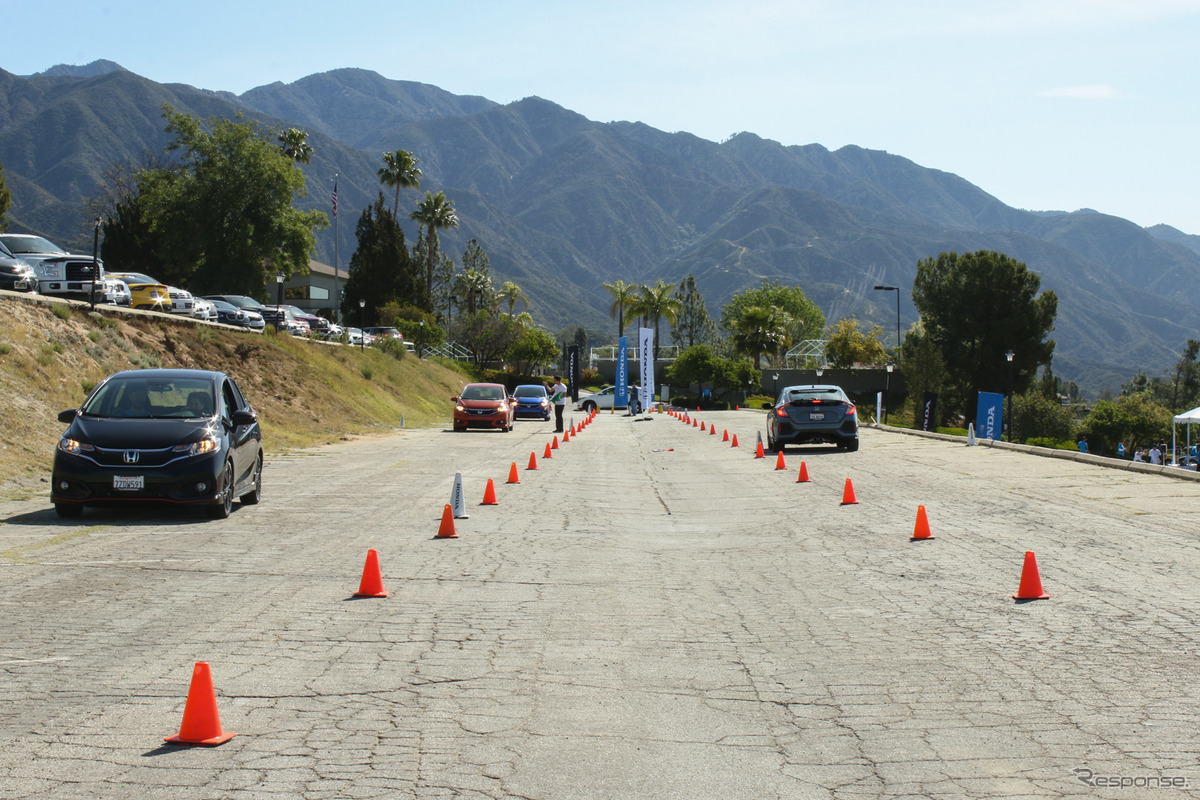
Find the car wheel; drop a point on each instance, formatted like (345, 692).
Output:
(224, 505)
(588, 407)
(852, 445)
(68, 510)
(254, 496)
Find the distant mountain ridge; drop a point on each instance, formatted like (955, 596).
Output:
(563, 204)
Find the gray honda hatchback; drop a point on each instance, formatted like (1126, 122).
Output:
(812, 415)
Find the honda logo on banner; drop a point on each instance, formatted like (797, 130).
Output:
(989, 417)
(621, 394)
(132, 456)
(646, 389)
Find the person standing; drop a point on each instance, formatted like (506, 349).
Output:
(1120, 449)
(558, 396)
(1083, 444)
(1155, 455)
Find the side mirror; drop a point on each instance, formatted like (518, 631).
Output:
(68, 416)
(454, 399)
(245, 416)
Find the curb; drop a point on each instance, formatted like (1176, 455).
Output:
(1049, 452)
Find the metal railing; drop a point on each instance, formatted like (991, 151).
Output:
(449, 350)
(609, 353)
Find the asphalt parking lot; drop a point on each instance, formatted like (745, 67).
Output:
(651, 613)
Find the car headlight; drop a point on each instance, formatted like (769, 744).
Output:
(545, 402)
(196, 448)
(460, 407)
(73, 446)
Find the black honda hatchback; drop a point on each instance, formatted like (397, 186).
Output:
(180, 436)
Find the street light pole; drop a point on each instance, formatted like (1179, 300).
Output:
(95, 260)
(896, 289)
(421, 341)
(891, 365)
(362, 323)
(1009, 357)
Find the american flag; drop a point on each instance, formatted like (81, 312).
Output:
(335, 198)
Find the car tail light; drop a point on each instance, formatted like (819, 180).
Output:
(781, 411)
(851, 410)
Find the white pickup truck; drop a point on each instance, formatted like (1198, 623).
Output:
(60, 273)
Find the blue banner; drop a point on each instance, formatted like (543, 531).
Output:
(621, 395)
(989, 419)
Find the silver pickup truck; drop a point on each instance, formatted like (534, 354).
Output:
(60, 273)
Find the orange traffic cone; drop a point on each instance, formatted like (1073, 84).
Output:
(758, 452)
(712, 431)
(547, 454)
(734, 443)
(201, 722)
(695, 422)
(532, 462)
(921, 531)
(371, 584)
(848, 498)
(567, 435)
(803, 477)
(512, 473)
(1031, 580)
(446, 529)
(779, 461)
(702, 428)
(489, 494)
(725, 435)
(554, 444)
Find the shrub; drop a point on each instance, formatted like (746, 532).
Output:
(62, 311)
(392, 347)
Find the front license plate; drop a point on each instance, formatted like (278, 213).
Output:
(816, 416)
(129, 483)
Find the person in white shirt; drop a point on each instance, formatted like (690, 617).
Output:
(558, 396)
(1155, 455)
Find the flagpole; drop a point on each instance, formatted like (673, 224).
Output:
(337, 293)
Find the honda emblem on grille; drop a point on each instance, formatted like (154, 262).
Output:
(132, 456)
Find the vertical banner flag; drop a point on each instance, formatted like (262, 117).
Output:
(646, 390)
(929, 412)
(621, 393)
(574, 372)
(335, 197)
(989, 417)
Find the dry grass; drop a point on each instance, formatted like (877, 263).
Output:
(52, 355)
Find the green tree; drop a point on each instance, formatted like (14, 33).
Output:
(974, 308)
(760, 330)
(1135, 420)
(656, 303)
(846, 345)
(399, 171)
(923, 368)
(474, 286)
(801, 318)
(692, 325)
(223, 216)
(381, 271)
(294, 144)
(5, 201)
(695, 365)
(625, 296)
(533, 347)
(436, 213)
(1037, 416)
(487, 336)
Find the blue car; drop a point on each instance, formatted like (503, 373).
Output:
(532, 400)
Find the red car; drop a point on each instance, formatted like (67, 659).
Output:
(483, 405)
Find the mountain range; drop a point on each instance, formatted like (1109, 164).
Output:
(563, 204)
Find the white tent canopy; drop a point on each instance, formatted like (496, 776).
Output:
(1188, 418)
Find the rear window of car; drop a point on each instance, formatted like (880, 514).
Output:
(813, 396)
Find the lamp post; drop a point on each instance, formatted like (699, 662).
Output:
(896, 289)
(279, 291)
(421, 340)
(1009, 357)
(887, 390)
(775, 383)
(820, 370)
(362, 326)
(95, 259)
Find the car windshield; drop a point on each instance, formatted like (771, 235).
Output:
(29, 244)
(139, 398)
(483, 393)
(530, 391)
(811, 394)
(221, 304)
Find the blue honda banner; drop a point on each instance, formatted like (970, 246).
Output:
(989, 419)
(621, 395)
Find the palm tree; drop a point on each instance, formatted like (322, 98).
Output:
(656, 302)
(436, 213)
(399, 170)
(473, 285)
(511, 293)
(760, 330)
(293, 142)
(625, 295)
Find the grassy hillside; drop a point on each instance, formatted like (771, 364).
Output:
(52, 354)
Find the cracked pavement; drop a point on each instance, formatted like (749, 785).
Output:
(630, 621)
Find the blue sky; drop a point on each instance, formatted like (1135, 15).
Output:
(1048, 104)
